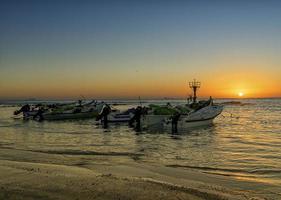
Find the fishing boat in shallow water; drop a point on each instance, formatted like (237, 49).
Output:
(202, 117)
(68, 114)
(120, 117)
(192, 114)
(61, 111)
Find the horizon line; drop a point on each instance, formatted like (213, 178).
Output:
(124, 99)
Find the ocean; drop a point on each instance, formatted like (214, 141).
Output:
(244, 142)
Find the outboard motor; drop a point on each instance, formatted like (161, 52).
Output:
(24, 109)
(103, 115)
(136, 118)
(39, 114)
(175, 118)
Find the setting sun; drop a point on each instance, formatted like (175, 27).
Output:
(240, 94)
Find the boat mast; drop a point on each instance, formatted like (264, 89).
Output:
(194, 85)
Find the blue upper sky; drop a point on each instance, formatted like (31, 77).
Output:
(153, 41)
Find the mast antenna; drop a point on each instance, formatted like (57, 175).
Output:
(194, 85)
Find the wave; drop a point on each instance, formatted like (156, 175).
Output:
(255, 171)
(78, 152)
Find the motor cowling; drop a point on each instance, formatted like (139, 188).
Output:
(104, 112)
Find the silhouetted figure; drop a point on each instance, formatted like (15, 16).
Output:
(79, 103)
(211, 101)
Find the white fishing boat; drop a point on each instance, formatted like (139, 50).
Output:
(193, 114)
(81, 111)
(61, 111)
(120, 117)
(69, 114)
(201, 117)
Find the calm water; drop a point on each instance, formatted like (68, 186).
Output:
(245, 141)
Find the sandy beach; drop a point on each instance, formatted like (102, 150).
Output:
(34, 175)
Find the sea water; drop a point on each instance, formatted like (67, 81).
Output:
(244, 142)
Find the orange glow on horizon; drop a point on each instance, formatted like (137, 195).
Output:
(146, 89)
(153, 84)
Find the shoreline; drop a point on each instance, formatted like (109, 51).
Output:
(20, 180)
(30, 175)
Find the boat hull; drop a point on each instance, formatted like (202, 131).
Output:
(119, 120)
(202, 117)
(182, 124)
(66, 116)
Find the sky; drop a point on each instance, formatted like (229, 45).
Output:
(125, 49)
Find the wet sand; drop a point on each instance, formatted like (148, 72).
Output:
(33, 175)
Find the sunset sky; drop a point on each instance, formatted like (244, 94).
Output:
(125, 49)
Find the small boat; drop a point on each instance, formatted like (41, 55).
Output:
(27, 111)
(201, 117)
(69, 114)
(61, 111)
(193, 114)
(81, 111)
(119, 117)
